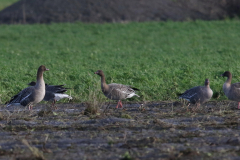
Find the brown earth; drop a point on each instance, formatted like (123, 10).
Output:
(162, 130)
(100, 11)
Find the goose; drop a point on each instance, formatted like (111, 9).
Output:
(232, 91)
(31, 95)
(53, 92)
(198, 95)
(116, 91)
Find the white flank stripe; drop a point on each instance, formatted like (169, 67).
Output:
(192, 95)
(14, 104)
(61, 96)
(26, 96)
(131, 95)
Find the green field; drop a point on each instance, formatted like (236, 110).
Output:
(6, 3)
(160, 58)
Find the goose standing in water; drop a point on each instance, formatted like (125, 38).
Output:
(198, 95)
(116, 91)
(33, 94)
(232, 91)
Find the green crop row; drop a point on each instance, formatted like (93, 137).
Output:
(160, 58)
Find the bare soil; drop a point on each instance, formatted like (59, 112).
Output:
(161, 130)
(101, 11)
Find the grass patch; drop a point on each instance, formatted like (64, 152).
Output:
(160, 58)
(127, 116)
(6, 3)
(91, 109)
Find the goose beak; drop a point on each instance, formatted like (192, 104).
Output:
(47, 69)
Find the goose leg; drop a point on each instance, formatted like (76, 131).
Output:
(30, 107)
(238, 105)
(121, 106)
(198, 104)
(188, 106)
(118, 104)
(53, 104)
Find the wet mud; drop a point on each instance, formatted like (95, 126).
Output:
(159, 130)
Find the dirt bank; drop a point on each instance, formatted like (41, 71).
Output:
(100, 11)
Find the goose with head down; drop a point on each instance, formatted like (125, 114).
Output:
(198, 95)
(232, 91)
(33, 94)
(116, 91)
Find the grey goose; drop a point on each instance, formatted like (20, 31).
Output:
(116, 91)
(232, 91)
(33, 94)
(198, 95)
(54, 92)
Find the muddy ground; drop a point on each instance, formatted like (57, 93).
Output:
(162, 130)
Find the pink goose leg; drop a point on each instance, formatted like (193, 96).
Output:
(30, 107)
(53, 104)
(118, 103)
(238, 105)
(121, 106)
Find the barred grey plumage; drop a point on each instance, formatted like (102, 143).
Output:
(119, 91)
(116, 91)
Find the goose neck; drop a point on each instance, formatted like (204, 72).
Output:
(40, 81)
(229, 79)
(104, 85)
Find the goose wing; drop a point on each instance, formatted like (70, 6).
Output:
(234, 93)
(123, 91)
(52, 88)
(24, 97)
(190, 93)
(56, 88)
(236, 85)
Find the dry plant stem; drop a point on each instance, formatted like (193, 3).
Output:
(197, 106)
(44, 146)
(195, 109)
(106, 107)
